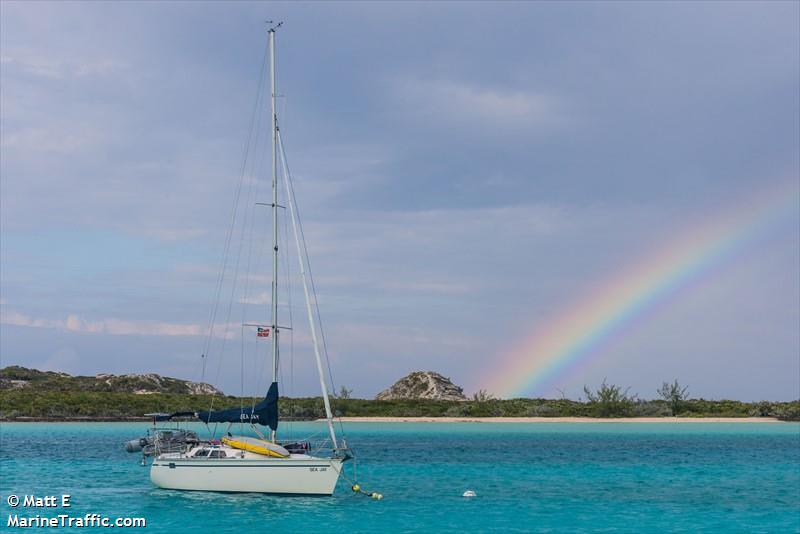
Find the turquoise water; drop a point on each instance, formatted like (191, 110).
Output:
(560, 477)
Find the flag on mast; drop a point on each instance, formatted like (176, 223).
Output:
(263, 331)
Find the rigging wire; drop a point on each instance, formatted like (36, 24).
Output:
(288, 277)
(234, 210)
(260, 375)
(246, 158)
(290, 185)
(241, 373)
(252, 190)
(282, 112)
(235, 281)
(250, 208)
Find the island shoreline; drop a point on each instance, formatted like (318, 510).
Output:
(558, 420)
(380, 419)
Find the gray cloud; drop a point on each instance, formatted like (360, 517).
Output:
(463, 171)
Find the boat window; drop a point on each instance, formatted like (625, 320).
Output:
(217, 454)
(201, 452)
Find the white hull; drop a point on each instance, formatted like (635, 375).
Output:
(297, 475)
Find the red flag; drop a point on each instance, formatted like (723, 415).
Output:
(262, 332)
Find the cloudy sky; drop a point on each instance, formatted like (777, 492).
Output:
(466, 172)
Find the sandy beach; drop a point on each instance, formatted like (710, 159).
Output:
(558, 420)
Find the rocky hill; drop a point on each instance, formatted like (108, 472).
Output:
(423, 385)
(16, 377)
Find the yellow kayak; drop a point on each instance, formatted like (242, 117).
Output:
(258, 446)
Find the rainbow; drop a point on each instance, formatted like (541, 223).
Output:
(580, 331)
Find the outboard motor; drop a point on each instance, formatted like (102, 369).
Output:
(135, 445)
(162, 440)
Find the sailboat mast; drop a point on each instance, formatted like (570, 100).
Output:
(274, 127)
(304, 276)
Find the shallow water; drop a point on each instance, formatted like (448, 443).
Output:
(559, 477)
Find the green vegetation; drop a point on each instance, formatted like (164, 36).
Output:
(21, 404)
(674, 394)
(30, 394)
(344, 393)
(482, 396)
(610, 401)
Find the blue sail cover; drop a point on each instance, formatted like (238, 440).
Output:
(264, 413)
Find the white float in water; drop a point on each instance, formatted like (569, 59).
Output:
(470, 493)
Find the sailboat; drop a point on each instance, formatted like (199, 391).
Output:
(263, 464)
